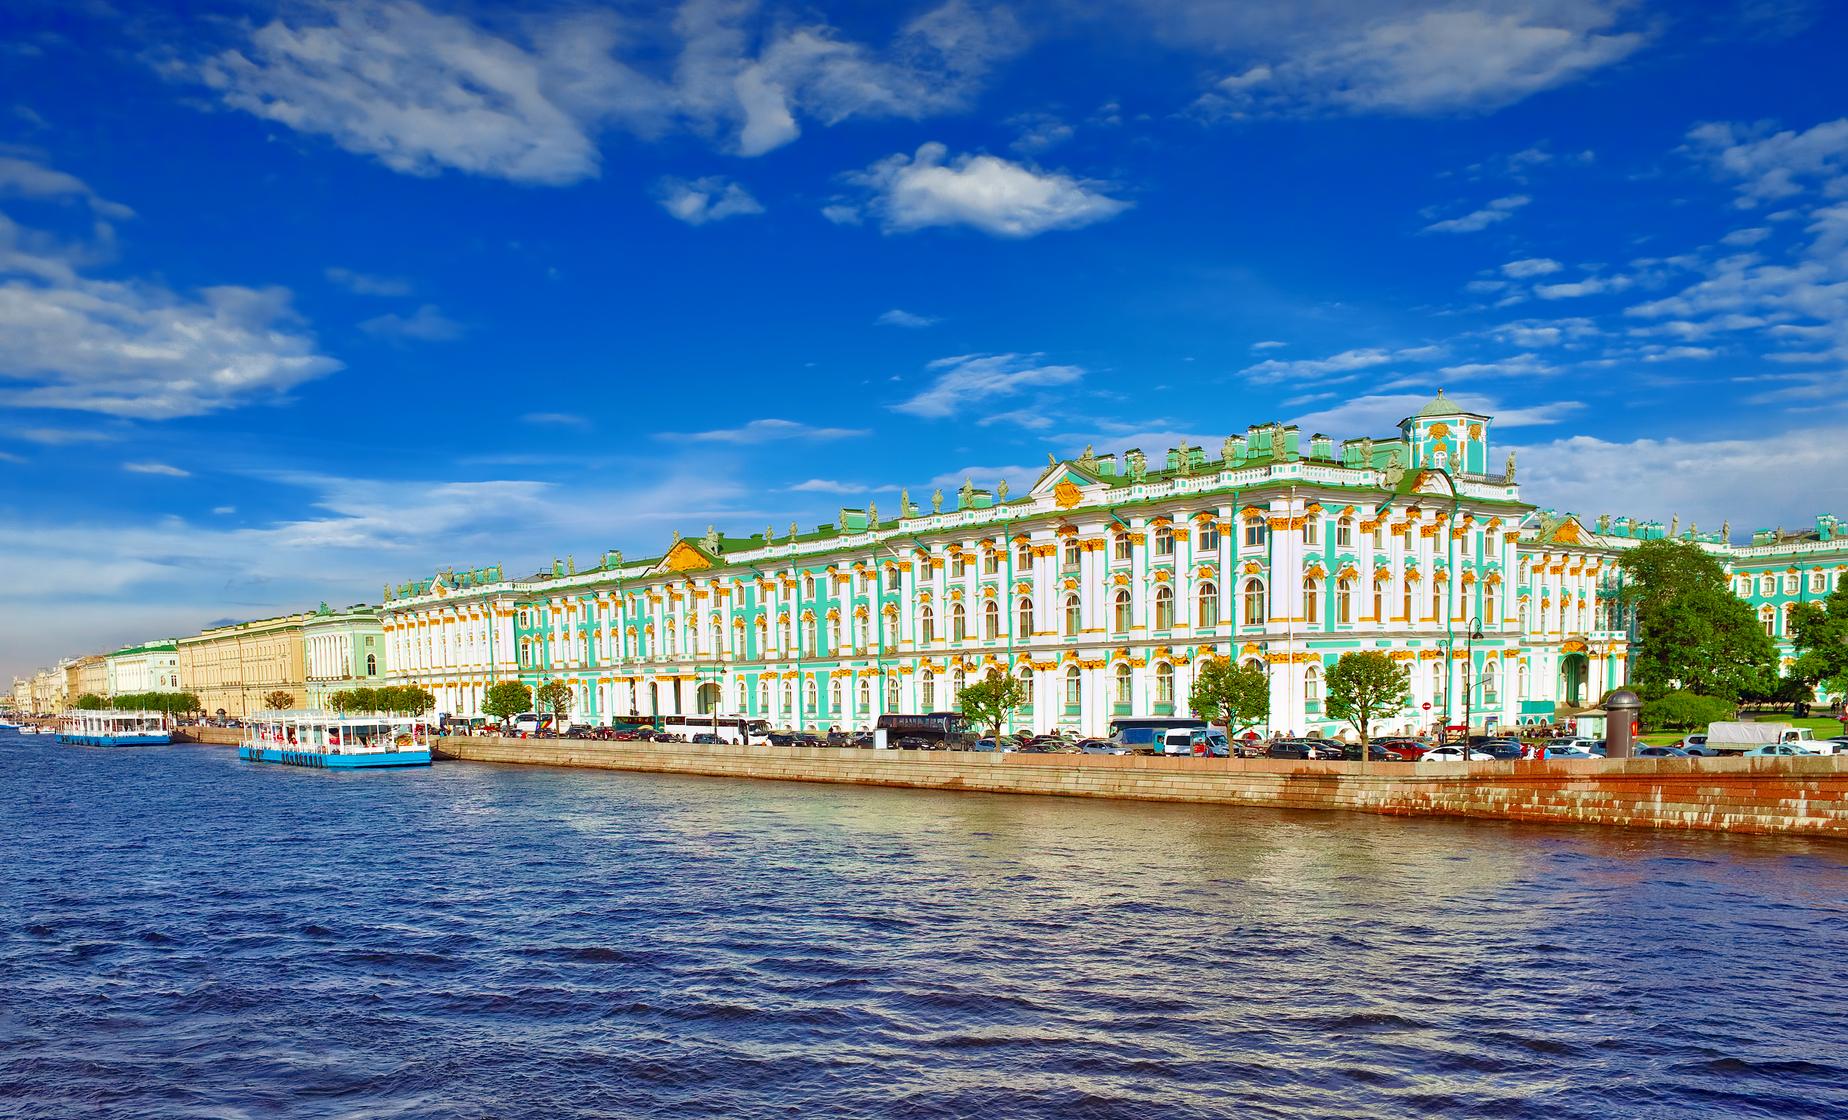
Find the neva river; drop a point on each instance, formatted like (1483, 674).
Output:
(182, 934)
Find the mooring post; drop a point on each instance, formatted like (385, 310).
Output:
(1621, 712)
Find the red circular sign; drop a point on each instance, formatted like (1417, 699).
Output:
(1426, 705)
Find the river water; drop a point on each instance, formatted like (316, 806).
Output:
(184, 935)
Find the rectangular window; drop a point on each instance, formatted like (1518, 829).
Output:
(1121, 549)
(1819, 583)
(991, 562)
(1312, 531)
(1254, 534)
(1344, 534)
(1209, 537)
(959, 565)
(1790, 584)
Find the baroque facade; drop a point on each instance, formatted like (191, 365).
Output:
(341, 650)
(1102, 588)
(149, 667)
(232, 668)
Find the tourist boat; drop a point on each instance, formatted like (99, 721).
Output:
(113, 729)
(329, 741)
(8, 725)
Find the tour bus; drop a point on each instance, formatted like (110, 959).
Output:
(531, 723)
(729, 729)
(1149, 734)
(937, 731)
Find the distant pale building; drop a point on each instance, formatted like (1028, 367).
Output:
(342, 650)
(22, 694)
(86, 676)
(232, 668)
(149, 667)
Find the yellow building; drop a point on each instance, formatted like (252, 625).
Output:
(86, 676)
(233, 668)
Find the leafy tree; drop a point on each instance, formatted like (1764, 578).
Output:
(1681, 710)
(556, 696)
(90, 702)
(989, 701)
(1820, 633)
(1235, 695)
(342, 701)
(506, 700)
(1693, 634)
(365, 699)
(409, 699)
(279, 701)
(1364, 687)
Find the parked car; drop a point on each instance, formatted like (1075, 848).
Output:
(1565, 752)
(1100, 746)
(1454, 753)
(1501, 749)
(1694, 744)
(1837, 745)
(1313, 749)
(1375, 753)
(707, 738)
(1661, 752)
(1408, 749)
(1770, 749)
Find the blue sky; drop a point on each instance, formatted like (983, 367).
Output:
(297, 300)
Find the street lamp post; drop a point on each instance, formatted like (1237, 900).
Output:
(1469, 672)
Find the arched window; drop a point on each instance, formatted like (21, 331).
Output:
(1489, 598)
(1255, 610)
(927, 690)
(1164, 541)
(1123, 688)
(1312, 684)
(372, 665)
(1026, 687)
(1074, 689)
(1209, 537)
(1164, 683)
(1408, 598)
(991, 620)
(1520, 682)
(1768, 619)
(789, 699)
(1344, 600)
(834, 692)
(1491, 683)
(763, 695)
(1207, 605)
(811, 696)
(1312, 600)
(834, 634)
(1023, 619)
(1164, 608)
(959, 624)
(744, 697)
(1437, 598)
(891, 693)
(894, 578)
(1023, 558)
(866, 694)
(1437, 683)
(1344, 533)
(958, 681)
(1120, 611)
(927, 625)
(1072, 552)
(1071, 616)
(812, 631)
(1120, 548)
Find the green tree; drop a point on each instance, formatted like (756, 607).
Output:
(1820, 633)
(989, 701)
(1693, 634)
(90, 702)
(1235, 695)
(412, 700)
(506, 700)
(1364, 687)
(342, 701)
(278, 701)
(555, 696)
(1681, 710)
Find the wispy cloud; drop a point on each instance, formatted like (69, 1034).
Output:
(426, 324)
(768, 430)
(966, 381)
(1347, 361)
(557, 419)
(1496, 210)
(163, 469)
(901, 318)
(711, 199)
(367, 284)
(25, 178)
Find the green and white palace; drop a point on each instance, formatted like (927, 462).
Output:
(1101, 587)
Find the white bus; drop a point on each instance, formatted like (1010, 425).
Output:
(729, 729)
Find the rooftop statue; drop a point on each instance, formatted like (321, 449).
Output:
(936, 500)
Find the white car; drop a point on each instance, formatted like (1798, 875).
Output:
(1455, 754)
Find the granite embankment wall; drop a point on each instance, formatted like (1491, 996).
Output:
(1796, 796)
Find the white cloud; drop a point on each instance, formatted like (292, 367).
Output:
(366, 284)
(1740, 238)
(1039, 132)
(557, 419)
(969, 380)
(1702, 479)
(766, 430)
(1546, 332)
(1268, 344)
(709, 199)
(1590, 286)
(25, 178)
(1348, 361)
(9, 457)
(1032, 419)
(834, 486)
(1767, 166)
(1380, 413)
(224, 510)
(1018, 478)
(135, 347)
(994, 195)
(426, 324)
(1367, 58)
(61, 437)
(156, 468)
(898, 317)
(1496, 210)
(1519, 365)
(424, 91)
(1530, 267)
